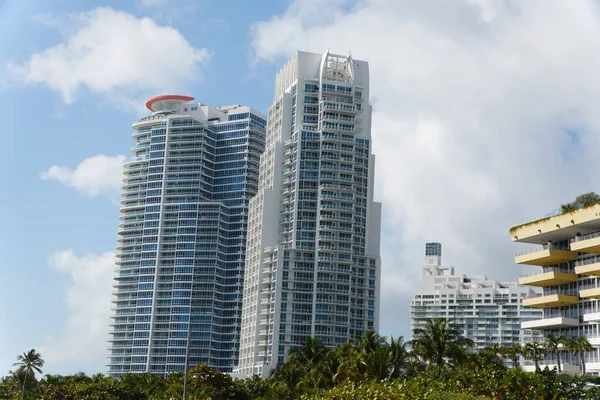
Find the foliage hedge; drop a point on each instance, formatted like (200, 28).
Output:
(408, 390)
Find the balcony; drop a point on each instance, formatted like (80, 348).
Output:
(587, 243)
(591, 317)
(546, 279)
(593, 293)
(550, 323)
(545, 256)
(589, 267)
(552, 300)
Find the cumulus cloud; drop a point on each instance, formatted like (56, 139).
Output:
(95, 175)
(115, 54)
(154, 3)
(485, 116)
(83, 340)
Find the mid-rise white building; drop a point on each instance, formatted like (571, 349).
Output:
(486, 311)
(312, 258)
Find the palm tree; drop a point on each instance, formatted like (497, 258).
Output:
(399, 358)
(439, 341)
(310, 353)
(536, 351)
(553, 346)
(288, 375)
(30, 363)
(370, 342)
(323, 374)
(512, 352)
(579, 347)
(489, 357)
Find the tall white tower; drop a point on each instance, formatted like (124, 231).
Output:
(312, 258)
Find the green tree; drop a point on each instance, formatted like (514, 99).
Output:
(288, 375)
(583, 200)
(536, 351)
(512, 352)
(208, 383)
(489, 358)
(146, 385)
(555, 345)
(30, 363)
(310, 353)
(399, 362)
(578, 347)
(255, 387)
(323, 374)
(439, 342)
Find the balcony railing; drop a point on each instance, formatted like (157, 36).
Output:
(585, 237)
(544, 247)
(546, 270)
(587, 261)
(547, 292)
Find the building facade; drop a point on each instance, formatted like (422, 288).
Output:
(312, 263)
(566, 265)
(182, 236)
(484, 310)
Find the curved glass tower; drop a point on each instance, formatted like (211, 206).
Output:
(182, 236)
(313, 265)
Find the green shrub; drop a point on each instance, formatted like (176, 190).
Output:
(414, 389)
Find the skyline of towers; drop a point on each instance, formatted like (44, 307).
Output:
(200, 189)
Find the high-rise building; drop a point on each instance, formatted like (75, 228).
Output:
(484, 310)
(567, 266)
(312, 258)
(182, 236)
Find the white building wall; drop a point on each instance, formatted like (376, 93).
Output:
(486, 311)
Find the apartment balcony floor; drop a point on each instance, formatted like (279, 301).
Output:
(552, 300)
(593, 293)
(546, 257)
(589, 269)
(550, 323)
(547, 279)
(591, 245)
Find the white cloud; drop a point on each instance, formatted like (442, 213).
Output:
(84, 338)
(485, 116)
(114, 54)
(154, 3)
(95, 175)
(182, 11)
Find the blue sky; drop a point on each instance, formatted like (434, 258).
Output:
(474, 107)
(39, 216)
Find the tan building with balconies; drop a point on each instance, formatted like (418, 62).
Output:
(566, 262)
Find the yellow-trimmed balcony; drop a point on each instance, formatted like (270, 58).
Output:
(547, 279)
(545, 257)
(551, 300)
(589, 267)
(593, 293)
(587, 243)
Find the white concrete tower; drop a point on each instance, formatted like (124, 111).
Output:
(312, 260)
(182, 236)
